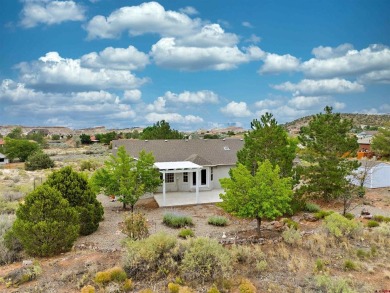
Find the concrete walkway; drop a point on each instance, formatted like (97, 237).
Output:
(188, 198)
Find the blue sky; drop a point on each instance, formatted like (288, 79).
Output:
(196, 64)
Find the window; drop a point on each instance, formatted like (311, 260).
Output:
(203, 180)
(185, 177)
(169, 177)
(211, 174)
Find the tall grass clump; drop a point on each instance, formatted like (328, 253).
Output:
(176, 220)
(322, 214)
(311, 207)
(217, 221)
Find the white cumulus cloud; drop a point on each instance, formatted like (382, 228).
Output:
(132, 96)
(53, 71)
(50, 12)
(199, 97)
(173, 118)
(274, 63)
(116, 58)
(236, 109)
(321, 87)
(148, 17)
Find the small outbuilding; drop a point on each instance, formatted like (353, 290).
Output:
(372, 174)
(3, 159)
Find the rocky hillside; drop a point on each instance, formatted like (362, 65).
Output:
(358, 121)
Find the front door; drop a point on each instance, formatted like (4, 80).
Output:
(203, 177)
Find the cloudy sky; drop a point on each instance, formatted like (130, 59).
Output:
(194, 63)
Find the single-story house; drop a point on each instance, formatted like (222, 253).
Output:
(187, 165)
(3, 159)
(372, 174)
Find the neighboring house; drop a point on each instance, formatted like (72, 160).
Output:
(372, 174)
(188, 165)
(43, 131)
(2, 143)
(3, 159)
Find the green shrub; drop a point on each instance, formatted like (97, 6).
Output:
(319, 265)
(127, 285)
(332, 284)
(292, 236)
(149, 255)
(217, 221)
(115, 274)
(322, 214)
(177, 220)
(246, 286)
(173, 288)
(261, 266)
(213, 289)
(88, 289)
(290, 223)
(46, 224)
(205, 260)
(38, 160)
(88, 165)
(247, 254)
(349, 216)
(312, 207)
(361, 253)
(186, 233)
(339, 226)
(372, 224)
(136, 226)
(75, 188)
(380, 218)
(350, 265)
(8, 253)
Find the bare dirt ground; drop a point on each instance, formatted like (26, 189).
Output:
(70, 271)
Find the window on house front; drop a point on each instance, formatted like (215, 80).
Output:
(211, 174)
(169, 177)
(185, 177)
(1, 159)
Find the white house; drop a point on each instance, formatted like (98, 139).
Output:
(187, 165)
(3, 159)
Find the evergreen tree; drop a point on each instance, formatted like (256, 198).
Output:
(38, 160)
(267, 141)
(328, 144)
(381, 142)
(265, 195)
(127, 178)
(46, 224)
(160, 130)
(75, 188)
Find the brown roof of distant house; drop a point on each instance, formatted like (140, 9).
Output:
(199, 151)
(2, 141)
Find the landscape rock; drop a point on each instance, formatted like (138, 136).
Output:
(309, 217)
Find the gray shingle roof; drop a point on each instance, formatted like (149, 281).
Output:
(199, 151)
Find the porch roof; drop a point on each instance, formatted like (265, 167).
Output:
(181, 166)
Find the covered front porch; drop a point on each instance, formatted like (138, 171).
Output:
(183, 198)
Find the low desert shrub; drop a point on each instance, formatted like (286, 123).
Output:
(339, 226)
(39, 160)
(8, 251)
(217, 221)
(205, 260)
(350, 265)
(88, 289)
(261, 266)
(127, 285)
(246, 286)
(8, 207)
(251, 254)
(88, 165)
(173, 288)
(311, 207)
(292, 236)
(176, 220)
(291, 223)
(372, 224)
(150, 255)
(333, 284)
(186, 233)
(213, 289)
(361, 253)
(349, 216)
(380, 218)
(135, 226)
(322, 214)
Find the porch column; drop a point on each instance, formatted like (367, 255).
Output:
(163, 173)
(197, 186)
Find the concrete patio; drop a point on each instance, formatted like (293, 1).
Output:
(188, 198)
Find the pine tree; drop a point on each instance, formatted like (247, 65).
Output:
(381, 142)
(328, 144)
(267, 141)
(46, 224)
(75, 188)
